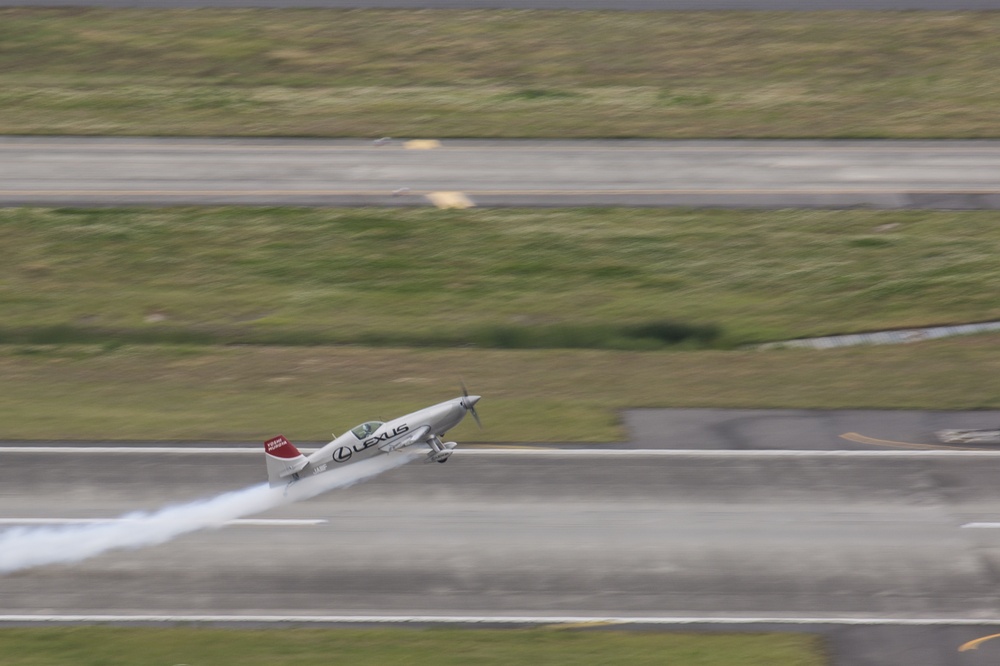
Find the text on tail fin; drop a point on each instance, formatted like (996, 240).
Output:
(279, 447)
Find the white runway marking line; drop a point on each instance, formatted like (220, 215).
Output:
(982, 526)
(137, 449)
(494, 619)
(719, 453)
(258, 522)
(539, 452)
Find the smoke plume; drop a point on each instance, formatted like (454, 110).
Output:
(23, 548)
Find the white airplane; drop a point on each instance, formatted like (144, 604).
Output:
(286, 465)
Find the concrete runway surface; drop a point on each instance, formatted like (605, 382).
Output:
(800, 429)
(800, 541)
(460, 173)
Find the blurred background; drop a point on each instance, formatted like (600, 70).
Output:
(222, 223)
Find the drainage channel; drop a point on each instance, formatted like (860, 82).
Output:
(885, 337)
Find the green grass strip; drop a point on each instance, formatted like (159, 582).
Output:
(499, 73)
(107, 646)
(633, 279)
(250, 393)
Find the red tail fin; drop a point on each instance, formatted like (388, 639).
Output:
(283, 460)
(279, 447)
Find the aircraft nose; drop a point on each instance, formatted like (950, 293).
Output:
(470, 401)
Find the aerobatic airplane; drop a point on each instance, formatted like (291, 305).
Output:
(286, 465)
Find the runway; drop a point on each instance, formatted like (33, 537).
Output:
(55, 171)
(854, 546)
(802, 537)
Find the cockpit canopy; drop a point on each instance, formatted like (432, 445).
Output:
(366, 429)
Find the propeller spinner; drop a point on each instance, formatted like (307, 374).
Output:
(469, 402)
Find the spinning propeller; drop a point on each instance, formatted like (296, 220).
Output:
(469, 402)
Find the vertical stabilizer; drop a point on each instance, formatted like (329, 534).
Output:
(283, 460)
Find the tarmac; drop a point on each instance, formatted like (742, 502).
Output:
(891, 554)
(99, 171)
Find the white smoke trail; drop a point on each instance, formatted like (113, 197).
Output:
(23, 548)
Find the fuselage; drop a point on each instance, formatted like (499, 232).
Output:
(370, 438)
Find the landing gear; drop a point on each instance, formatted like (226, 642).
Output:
(440, 451)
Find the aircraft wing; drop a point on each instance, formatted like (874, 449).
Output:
(418, 435)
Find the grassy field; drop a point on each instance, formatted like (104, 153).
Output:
(604, 278)
(107, 646)
(499, 73)
(250, 393)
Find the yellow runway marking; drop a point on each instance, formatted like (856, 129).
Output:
(422, 144)
(581, 625)
(972, 645)
(862, 439)
(450, 200)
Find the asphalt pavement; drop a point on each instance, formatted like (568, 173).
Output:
(800, 429)
(857, 546)
(460, 173)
